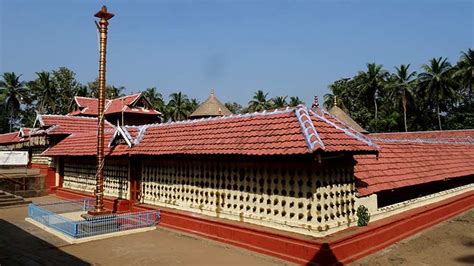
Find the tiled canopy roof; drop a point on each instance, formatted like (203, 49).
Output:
(89, 106)
(404, 163)
(65, 125)
(211, 107)
(283, 132)
(345, 118)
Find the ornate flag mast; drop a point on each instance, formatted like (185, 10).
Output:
(99, 190)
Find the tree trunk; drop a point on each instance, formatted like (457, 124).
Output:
(404, 103)
(439, 116)
(11, 120)
(376, 111)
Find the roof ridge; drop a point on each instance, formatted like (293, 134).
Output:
(126, 96)
(85, 97)
(427, 131)
(307, 127)
(69, 116)
(469, 141)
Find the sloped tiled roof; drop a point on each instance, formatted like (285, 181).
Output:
(442, 134)
(84, 144)
(65, 125)
(15, 137)
(402, 163)
(89, 106)
(10, 138)
(283, 132)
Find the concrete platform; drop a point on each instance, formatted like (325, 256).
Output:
(72, 240)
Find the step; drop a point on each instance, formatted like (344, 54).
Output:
(10, 197)
(10, 200)
(14, 203)
(5, 196)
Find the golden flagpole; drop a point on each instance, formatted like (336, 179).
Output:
(99, 189)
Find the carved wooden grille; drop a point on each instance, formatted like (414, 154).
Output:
(289, 195)
(80, 175)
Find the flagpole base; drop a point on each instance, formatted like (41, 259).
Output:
(99, 212)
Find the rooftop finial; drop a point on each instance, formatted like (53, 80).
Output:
(315, 103)
(212, 92)
(335, 100)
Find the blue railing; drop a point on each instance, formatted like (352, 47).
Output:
(50, 216)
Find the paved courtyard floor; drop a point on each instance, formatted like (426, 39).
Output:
(22, 243)
(448, 243)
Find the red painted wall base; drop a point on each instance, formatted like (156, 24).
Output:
(114, 204)
(339, 248)
(342, 247)
(49, 174)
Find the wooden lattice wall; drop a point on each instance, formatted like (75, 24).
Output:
(306, 197)
(79, 174)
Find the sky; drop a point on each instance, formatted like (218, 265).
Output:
(294, 48)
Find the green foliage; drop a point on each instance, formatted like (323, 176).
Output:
(179, 106)
(363, 216)
(295, 101)
(279, 102)
(259, 102)
(234, 107)
(441, 96)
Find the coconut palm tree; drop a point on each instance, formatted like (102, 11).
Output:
(339, 89)
(259, 102)
(401, 88)
(465, 71)
(295, 101)
(112, 92)
(13, 92)
(436, 83)
(178, 106)
(47, 92)
(279, 102)
(193, 105)
(371, 82)
(155, 98)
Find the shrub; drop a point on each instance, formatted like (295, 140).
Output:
(363, 216)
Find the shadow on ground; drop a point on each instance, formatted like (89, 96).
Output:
(325, 256)
(18, 247)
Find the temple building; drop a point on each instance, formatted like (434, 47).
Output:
(302, 173)
(211, 107)
(127, 110)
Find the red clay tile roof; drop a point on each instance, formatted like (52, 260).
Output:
(84, 144)
(337, 136)
(404, 163)
(89, 106)
(10, 138)
(444, 134)
(65, 125)
(284, 132)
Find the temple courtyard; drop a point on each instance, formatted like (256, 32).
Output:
(449, 243)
